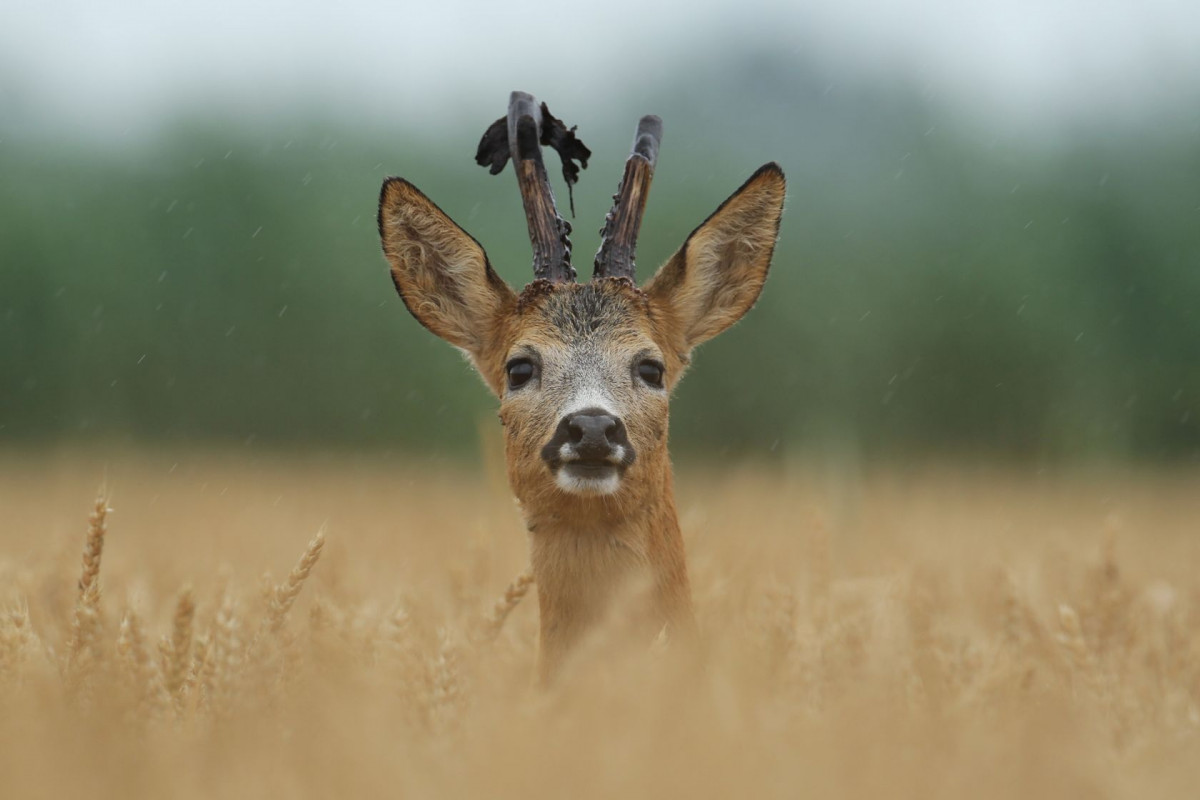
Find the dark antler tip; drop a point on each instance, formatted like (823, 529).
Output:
(527, 140)
(523, 104)
(648, 138)
(651, 124)
(618, 237)
(527, 127)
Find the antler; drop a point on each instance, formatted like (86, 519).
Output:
(618, 237)
(520, 136)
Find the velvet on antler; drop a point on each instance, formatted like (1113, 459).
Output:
(520, 136)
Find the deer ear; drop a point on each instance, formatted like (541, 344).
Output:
(719, 272)
(441, 272)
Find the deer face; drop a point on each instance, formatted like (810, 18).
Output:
(584, 400)
(583, 372)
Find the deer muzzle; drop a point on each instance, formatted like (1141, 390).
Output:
(589, 452)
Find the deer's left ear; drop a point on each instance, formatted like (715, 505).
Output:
(719, 272)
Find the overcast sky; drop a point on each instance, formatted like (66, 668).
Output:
(114, 65)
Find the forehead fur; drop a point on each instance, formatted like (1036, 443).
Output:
(579, 310)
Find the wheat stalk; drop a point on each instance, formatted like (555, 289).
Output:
(285, 594)
(489, 629)
(1083, 662)
(220, 677)
(926, 663)
(179, 647)
(85, 625)
(93, 546)
(135, 655)
(446, 685)
(11, 645)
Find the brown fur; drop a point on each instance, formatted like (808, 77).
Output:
(587, 550)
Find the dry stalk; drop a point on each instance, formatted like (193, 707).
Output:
(82, 650)
(777, 631)
(446, 691)
(201, 658)
(1084, 670)
(1097, 682)
(11, 646)
(135, 656)
(1018, 654)
(220, 680)
(266, 658)
(93, 545)
(398, 641)
(179, 648)
(397, 629)
(206, 671)
(490, 627)
(407, 665)
(1014, 633)
(925, 657)
(284, 596)
(17, 639)
(1109, 605)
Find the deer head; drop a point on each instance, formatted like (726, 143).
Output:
(584, 371)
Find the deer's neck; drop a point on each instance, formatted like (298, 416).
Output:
(595, 561)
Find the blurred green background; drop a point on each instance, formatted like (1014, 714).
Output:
(944, 284)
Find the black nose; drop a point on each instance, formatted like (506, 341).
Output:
(588, 435)
(591, 431)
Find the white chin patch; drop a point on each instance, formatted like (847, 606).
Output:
(576, 481)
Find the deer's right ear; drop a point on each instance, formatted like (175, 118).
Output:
(441, 272)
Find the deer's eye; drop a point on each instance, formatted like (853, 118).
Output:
(651, 372)
(520, 372)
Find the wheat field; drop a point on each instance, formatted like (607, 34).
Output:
(218, 624)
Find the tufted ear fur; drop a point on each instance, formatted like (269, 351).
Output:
(718, 273)
(441, 273)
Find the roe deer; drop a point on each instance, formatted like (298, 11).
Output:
(584, 371)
